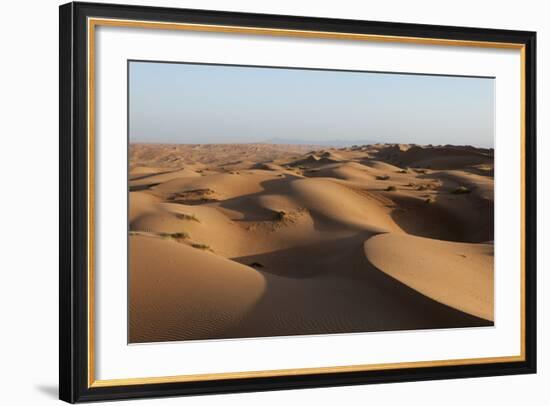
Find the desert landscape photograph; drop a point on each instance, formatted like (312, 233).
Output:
(266, 202)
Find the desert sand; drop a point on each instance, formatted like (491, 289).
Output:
(255, 240)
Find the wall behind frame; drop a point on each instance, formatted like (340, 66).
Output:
(28, 207)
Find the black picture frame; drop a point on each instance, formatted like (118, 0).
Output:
(73, 256)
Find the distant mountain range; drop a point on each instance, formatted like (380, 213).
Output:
(328, 143)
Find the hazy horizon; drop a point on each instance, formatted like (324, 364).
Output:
(318, 144)
(178, 103)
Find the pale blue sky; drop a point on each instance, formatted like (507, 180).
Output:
(187, 103)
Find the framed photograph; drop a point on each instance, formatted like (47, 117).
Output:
(255, 202)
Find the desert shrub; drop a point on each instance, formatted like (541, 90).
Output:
(460, 190)
(180, 235)
(382, 177)
(176, 236)
(200, 246)
(402, 171)
(185, 216)
(280, 215)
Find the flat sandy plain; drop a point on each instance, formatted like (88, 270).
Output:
(255, 240)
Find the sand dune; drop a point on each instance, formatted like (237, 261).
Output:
(137, 181)
(442, 157)
(167, 302)
(254, 240)
(459, 275)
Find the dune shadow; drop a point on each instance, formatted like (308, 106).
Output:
(489, 173)
(428, 220)
(344, 294)
(248, 205)
(308, 260)
(150, 175)
(139, 188)
(474, 213)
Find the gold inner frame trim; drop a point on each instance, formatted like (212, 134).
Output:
(94, 22)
